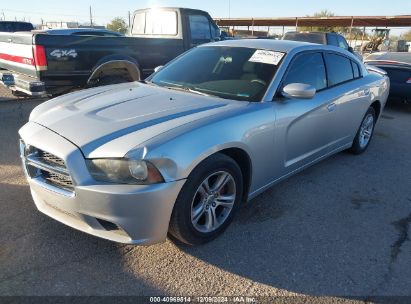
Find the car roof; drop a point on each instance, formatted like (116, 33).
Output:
(285, 46)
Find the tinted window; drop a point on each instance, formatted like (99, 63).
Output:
(215, 31)
(342, 43)
(200, 27)
(356, 69)
(339, 69)
(306, 37)
(309, 69)
(332, 40)
(226, 72)
(15, 27)
(155, 22)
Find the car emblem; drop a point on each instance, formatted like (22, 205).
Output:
(64, 53)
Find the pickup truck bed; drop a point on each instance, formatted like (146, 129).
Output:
(39, 64)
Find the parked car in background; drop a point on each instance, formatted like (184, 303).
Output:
(321, 38)
(40, 64)
(180, 152)
(82, 32)
(397, 65)
(15, 26)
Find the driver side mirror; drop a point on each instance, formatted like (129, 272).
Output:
(299, 91)
(350, 49)
(156, 69)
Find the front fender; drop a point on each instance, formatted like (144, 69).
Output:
(177, 153)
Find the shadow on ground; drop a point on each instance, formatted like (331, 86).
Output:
(340, 228)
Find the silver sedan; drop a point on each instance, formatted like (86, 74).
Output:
(179, 153)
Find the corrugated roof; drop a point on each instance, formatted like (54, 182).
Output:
(357, 21)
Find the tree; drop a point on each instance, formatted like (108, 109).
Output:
(323, 13)
(356, 33)
(407, 36)
(118, 24)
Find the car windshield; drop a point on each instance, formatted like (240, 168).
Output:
(226, 72)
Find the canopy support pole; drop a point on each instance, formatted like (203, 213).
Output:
(352, 23)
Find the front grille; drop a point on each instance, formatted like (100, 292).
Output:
(58, 180)
(46, 167)
(51, 159)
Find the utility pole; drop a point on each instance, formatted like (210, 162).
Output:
(229, 8)
(129, 19)
(91, 18)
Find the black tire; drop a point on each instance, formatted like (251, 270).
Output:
(357, 147)
(181, 226)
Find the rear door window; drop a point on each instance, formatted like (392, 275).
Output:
(339, 69)
(307, 68)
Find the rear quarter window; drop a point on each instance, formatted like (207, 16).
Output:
(356, 70)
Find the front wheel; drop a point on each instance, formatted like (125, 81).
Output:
(365, 132)
(207, 203)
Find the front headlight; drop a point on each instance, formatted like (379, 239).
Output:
(124, 171)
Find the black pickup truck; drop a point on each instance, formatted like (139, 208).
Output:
(40, 64)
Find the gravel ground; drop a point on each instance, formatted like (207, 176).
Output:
(339, 229)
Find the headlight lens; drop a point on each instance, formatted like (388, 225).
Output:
(124, 171)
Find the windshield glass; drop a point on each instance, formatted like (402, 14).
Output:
(306, 37)
(226, 72)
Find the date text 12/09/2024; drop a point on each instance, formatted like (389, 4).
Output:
(233, 299)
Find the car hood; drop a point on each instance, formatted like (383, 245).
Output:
(92, 118)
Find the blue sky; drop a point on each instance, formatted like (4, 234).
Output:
(104, 10)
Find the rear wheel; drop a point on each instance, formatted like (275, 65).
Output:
(365, 132)
(107, 80)
(208, 201)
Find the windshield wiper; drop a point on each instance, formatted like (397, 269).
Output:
(186, 89)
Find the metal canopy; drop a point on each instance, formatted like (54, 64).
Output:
(347, 21)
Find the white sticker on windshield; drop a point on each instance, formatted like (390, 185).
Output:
(267, 57)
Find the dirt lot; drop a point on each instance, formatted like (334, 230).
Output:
(340, 228)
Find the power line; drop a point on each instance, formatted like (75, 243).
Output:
(45, 13)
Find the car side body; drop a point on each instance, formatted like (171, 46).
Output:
(177, 131)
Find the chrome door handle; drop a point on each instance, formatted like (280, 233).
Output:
(331, 107)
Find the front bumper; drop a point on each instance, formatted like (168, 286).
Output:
(133, 214)
(20, 83)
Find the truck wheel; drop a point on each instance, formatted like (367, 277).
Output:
(208, 201)
(20, 94)
(107, 80)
